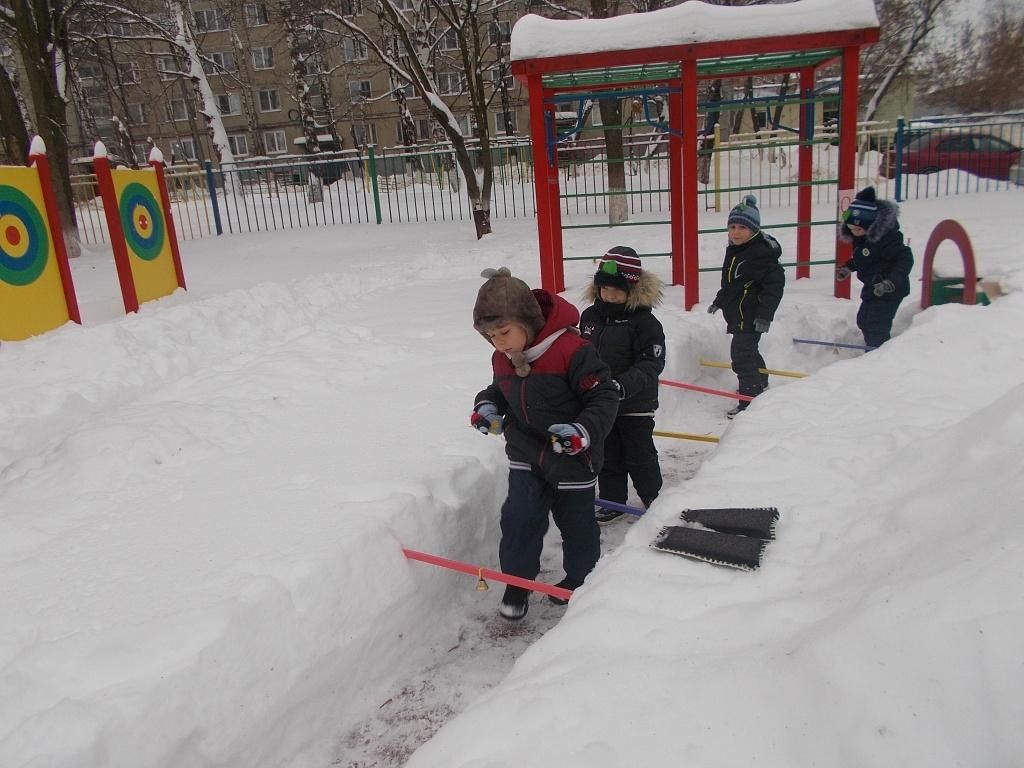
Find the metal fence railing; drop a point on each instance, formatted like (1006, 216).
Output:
(424, 183)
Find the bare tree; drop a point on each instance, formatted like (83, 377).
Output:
(982, 69)
(39, 30)
(14, 118)
(408, 44)
(905, 26)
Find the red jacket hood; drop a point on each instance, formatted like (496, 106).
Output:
(558, 313)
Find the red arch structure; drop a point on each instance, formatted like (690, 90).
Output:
(949, 229)
(678, 69)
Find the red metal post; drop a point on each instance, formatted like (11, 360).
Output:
(847, 148)
(805, 163)
(541, 182)
(116, 233)
(691, 276)
(172, 235)
(42, 164)
(675, 183)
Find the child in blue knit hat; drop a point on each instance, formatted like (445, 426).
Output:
(881, 260)
(752, 285)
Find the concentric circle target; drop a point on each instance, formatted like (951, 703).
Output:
(142, 221)
(24, 241)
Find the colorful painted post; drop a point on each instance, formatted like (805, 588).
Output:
(156, 162)
(706, 390)
(36, 290)
(805, 174)
(487, 573)
(141, 233)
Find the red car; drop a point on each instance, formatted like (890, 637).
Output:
(973, 151)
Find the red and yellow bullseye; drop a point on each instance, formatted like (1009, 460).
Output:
(14, 237)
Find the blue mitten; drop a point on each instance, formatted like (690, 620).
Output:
(761, 325)
(486, 418)
(568, 438)
(843, 273)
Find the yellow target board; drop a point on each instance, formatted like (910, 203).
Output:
(35, 283)
(147, 237)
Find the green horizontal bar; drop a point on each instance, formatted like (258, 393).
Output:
(788, 185)
(831, 222)
(621, 224)
(595, 258)
(610, 194)
(783, 264)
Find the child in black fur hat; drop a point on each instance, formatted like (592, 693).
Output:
(881, 260)
(628, 336)
(752, 285)
(554, 400)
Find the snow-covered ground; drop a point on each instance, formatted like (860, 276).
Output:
(203, 506)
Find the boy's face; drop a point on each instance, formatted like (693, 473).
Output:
(509, 338)
(738, 234)
(856, 231)
(612, 295)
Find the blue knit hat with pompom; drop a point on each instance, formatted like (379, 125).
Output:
(746, 214)
(863, 209)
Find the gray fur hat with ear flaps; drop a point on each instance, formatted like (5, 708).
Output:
(504, 299)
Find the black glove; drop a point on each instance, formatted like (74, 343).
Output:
(843, 272)
(485, 417)
(883, 287)
(713, 308)
(761, 325)
(619, 389)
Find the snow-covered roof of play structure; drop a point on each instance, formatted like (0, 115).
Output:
(692, 22)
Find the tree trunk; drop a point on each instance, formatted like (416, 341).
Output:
(618, 201)
(12, 122)
(40, 46)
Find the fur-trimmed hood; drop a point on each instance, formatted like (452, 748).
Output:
(886, 220)
(648, 292)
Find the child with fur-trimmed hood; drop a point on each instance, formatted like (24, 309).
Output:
(881, 260)
(622, 326)
(553, 399)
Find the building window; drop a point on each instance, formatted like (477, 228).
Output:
(359, 90)
(499, 32)
(229, 104)
(142, 153)
(424, 127)
(128, 73)
(255, 14)
(403, 5)
(176, 109)
(354, 49)
(211, 20)
(496, 78)
(220, 61)
(449, 41)
(270, 101)
(465, 125)
(407, 89)
(365, 133)
(275, 142)
(136, 113)
(499, 122)
(239, 144)
(450, 83)
(263, 58)
(351, 7)
(399, 131)
(169, 67)
(183, 149)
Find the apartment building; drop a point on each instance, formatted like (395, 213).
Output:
(283, 83)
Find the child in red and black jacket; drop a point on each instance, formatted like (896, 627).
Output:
(554, 400)
(622, 325)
